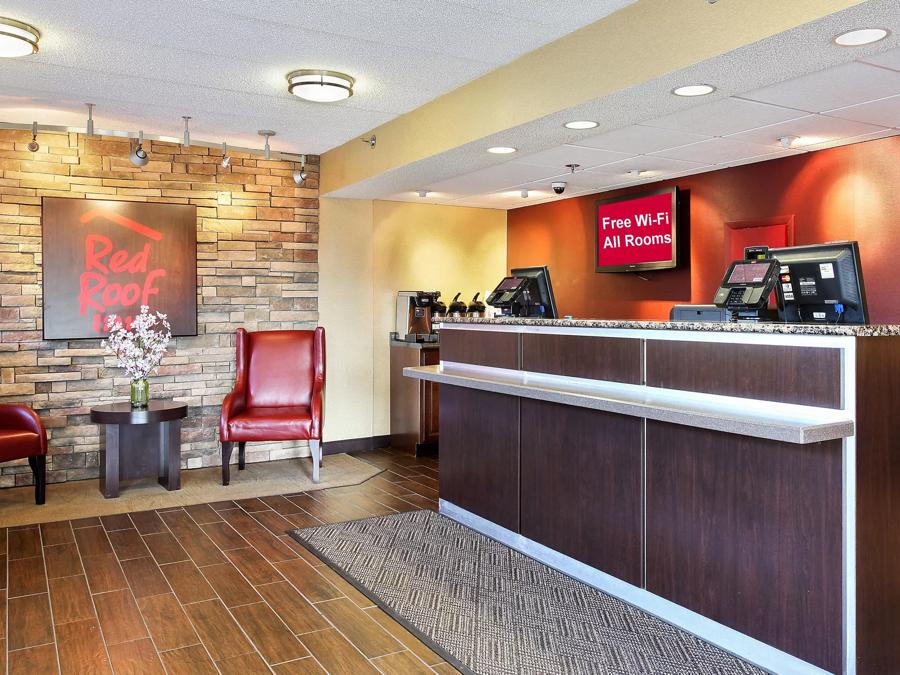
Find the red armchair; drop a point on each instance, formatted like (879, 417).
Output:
(277, 395)
(23, 435)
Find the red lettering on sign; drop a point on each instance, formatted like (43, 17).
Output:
(96, 293)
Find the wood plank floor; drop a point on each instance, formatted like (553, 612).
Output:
(212, 588)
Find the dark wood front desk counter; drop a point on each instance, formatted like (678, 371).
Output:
(742, 482)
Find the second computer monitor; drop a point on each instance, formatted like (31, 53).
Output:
(543, 288)
(821, 283)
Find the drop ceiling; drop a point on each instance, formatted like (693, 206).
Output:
(850, 103)
(795, 83)
(223, 62)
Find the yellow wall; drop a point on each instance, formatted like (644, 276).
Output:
(369, 250)
(346, 312)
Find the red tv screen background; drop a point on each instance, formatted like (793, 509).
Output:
(636, 231)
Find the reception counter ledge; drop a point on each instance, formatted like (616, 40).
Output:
(739, 481)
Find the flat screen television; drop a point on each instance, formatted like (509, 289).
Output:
(637, 232)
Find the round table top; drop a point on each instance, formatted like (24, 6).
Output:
(157, 410)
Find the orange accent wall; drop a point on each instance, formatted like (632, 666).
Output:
(851, 192)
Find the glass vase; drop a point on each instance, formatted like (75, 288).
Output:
(140, 393)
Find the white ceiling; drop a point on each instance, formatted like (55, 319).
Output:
(223, 62)
(848, 103)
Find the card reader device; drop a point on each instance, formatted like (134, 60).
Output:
(747, 285)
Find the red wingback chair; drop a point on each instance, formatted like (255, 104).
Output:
(23, 435)
(277, 395)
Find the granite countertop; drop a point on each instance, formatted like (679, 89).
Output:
(869, 330)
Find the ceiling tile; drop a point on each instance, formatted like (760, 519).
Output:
(854, 139)
(494, 178)
(884, 112)
(558, 157)
(638, 139)
(810, 130)
(653, 165)
(837, 87)
(715, 151)
(723, 117)
(888, 59)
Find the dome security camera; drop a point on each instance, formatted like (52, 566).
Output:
(558, 187)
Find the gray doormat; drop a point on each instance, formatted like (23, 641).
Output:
(490, 610)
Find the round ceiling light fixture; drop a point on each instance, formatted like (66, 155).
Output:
(863, 36)
(320, 86)
(581, 124)
(694, 90)
(17, 38)
(501, 150)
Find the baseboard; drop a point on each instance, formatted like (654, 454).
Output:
(355, 444)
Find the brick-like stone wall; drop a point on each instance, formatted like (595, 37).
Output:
(257, 240)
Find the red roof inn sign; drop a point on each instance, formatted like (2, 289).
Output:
(106, 257)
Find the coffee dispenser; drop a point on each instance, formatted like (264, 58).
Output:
(414, 316)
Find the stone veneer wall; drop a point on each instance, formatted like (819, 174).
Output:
(257, 236)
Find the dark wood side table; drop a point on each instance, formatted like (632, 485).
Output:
(140, 443)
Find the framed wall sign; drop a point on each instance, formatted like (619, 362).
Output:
(109, 257)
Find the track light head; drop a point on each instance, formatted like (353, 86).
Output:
(34, 146)
(139, 156)
(301, 175)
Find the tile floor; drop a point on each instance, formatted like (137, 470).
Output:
(212, 588)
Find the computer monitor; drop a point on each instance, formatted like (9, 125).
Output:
(544, 304)
(821, 283)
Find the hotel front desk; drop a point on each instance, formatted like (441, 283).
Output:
(740, 481)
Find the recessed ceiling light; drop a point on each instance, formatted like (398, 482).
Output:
(320, 86)
(501, 150)
(694, 90)
(17, 38)
(581, 124)
(863, 36)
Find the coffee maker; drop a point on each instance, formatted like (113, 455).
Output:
(414, 316)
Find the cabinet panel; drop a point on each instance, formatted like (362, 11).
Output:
(748, 532)
(498, 349)
(581, 485)
(597, 358)
(803, 375)
(480, 453)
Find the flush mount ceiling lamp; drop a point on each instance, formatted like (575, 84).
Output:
(300, 176)
(186, 142)
(89, 127)
(267, 134)
(863, 36)
(694, 90)
(787, 142)
(501, 150)
(34, 146)
(139, 156)
(320, 86)
(17, 38)
(226, 159)
(581, 124)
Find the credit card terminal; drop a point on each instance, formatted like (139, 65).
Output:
(747, 285)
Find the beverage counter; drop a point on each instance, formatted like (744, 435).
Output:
(738, 480)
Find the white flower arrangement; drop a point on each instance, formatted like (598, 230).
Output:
(139, 348)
